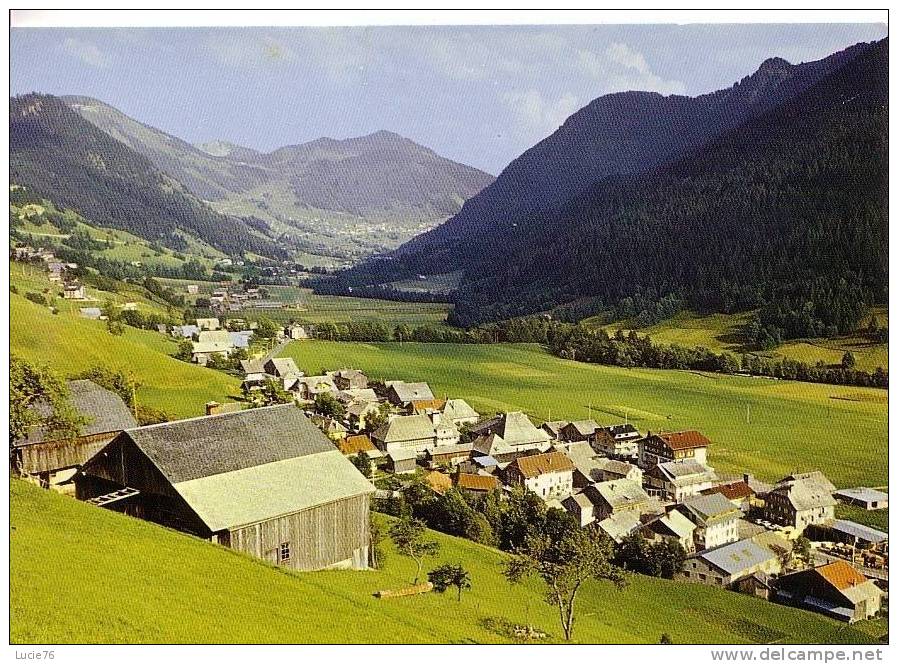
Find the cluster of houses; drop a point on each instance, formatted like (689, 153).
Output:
(209, 338)
(56, 270)
(225, 300)
(279, 484)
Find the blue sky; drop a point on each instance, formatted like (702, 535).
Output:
(479, 95)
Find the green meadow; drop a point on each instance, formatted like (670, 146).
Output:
(69, 344)
(765, 426)
(115, 579)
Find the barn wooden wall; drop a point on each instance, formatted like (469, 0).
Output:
(319, 537)
(58, 454)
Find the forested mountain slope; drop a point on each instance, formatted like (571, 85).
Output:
(57, 154)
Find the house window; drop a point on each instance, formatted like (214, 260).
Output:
(284, 556)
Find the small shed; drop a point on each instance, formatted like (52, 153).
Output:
(869, 499)
(402, 461)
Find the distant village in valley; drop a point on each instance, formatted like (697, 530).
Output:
(289, 474)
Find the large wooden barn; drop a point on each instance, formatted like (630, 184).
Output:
(53, 462)
(264, 481)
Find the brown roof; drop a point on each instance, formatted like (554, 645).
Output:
(439, 482)
(841, 574)
(474, 482)
(539, 464)
(732, 491)
(419, 406)
(684, 440)
(356, 444)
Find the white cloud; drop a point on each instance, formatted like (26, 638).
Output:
(86, 51)
(537, 117)
(620, 68)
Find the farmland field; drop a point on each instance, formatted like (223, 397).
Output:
(129, 581)
(769, 427)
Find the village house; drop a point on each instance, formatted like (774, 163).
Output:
(663, 447)
(509, 435)
(459, 412)
(209, 343)
(208, 323)
(309, 387)
(358, 411)
(347, 397)
(475, 483)
(73, 291)
(296, 332)
(671, 526)
(548, 475)
(192, 289)
(716, 520)
(400, 393)
(262, 481)
(620, 441)
(858, 536)
(185, 331)
(282, 367)
(241, 338)
(448, 455)
(621, 525)
(425, 406)
(837, 590)
(677, 480)
(798, 501)
(91, 313)
(553, 428)
(587, 464)
(617, 496)
(53, 462)
(418, 433)
(579, 430)
(438, 482)
(615, 469)
(579, 506)
(402, 461)
(738, 493)
(254, 376)
(869, 499)
(350, 379)
(724, 565)
(353, 445)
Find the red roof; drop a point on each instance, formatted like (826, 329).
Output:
(732, 491)
(474, 482)
(684, 440)
(841, 574)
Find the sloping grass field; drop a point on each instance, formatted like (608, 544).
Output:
(80, 574)
(769, 427)
(69, 345)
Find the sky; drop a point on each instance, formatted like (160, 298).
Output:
(480, 95)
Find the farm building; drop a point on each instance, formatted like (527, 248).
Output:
(579, 430)
(869, 499)
(727, 564)
(677, 480)
(619, 440)
(53, 462)
(799, 501)
(400, 393)
(263, 481)
(208, 323)
(459, 412)
(547, 475)
(476, 483)
(418, 433)
(74, 291)
(350, 379)
(837, 590)
(716, 519)
(680, 445)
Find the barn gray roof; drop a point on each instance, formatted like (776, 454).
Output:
(408, 392)
(737, 557)
(204, 446)
(105, 410)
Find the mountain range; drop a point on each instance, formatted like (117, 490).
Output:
(768, 193)
(336, 197)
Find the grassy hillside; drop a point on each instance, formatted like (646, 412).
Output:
(723, 332)
(117, 579)
(767, 426)
(69, 344)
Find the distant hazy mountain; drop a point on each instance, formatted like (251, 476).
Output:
(55, 153)
(349, 197)
(770, 193)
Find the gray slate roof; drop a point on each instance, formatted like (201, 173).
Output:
(105, 411)
(407, 392)
(738, 556)
(205, 446)
(860, 531)
(711, 508)
(862, 493)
